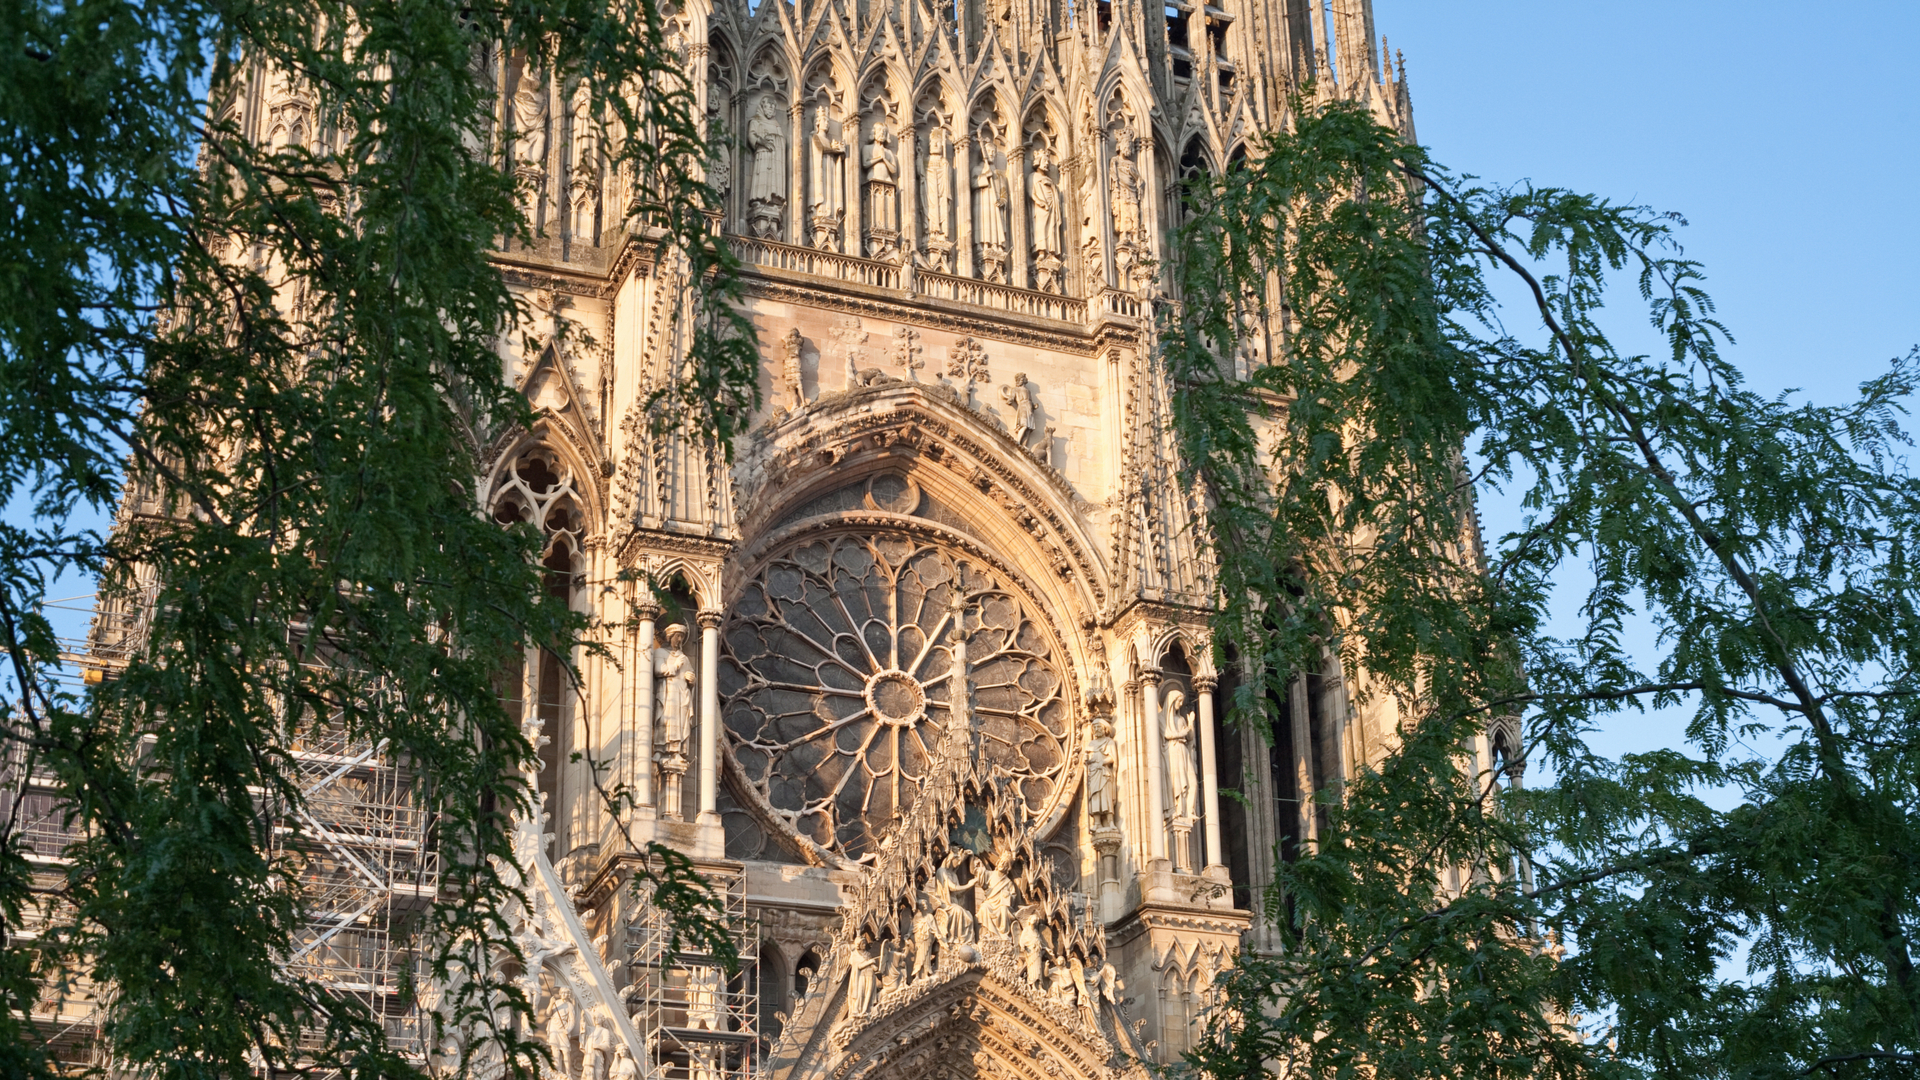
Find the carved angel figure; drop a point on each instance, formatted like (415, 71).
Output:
(1176, 729)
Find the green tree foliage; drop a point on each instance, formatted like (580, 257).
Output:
(298, 349)
(1768, 542)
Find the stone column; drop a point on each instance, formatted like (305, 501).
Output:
(1308, 826)
(1156, 767)
(643, 707)
(907, 196)
(1018, 257)
(959, 690)
(709, 716)
(796, 223)
(963, 205)
(1209, 772)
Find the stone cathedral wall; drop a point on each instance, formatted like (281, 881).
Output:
(950, 218)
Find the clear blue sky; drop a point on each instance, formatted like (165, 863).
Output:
(1785, 132)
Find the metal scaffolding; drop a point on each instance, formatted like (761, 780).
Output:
(361, 840)
(696, 1022)
(368, 869)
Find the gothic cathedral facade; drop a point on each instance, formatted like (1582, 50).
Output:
(921, 675)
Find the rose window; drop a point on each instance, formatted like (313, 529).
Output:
(840, 682)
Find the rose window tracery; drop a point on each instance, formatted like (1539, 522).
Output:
(840, 682)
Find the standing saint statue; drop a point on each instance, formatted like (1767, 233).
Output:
(1177, 728)
(863, 982)
(674, 696)
(766, 183)
(560, 1020)
(704, 987)
(939, 183)
(1043, 196)
(530, 137)
(923, 937)
(1102, 758)
(825, 197)
(883, 175)
(1033, 949)
(989, 213)
(790, 370)
(1123, 177)
(1026, 416)
(598, 1048)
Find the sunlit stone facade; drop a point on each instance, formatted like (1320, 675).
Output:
(922, 673)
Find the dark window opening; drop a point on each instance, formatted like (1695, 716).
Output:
(1229, 750)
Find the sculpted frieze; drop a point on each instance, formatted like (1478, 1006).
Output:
(988, 469)
(1013, 328)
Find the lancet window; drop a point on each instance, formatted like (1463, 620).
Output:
(538, 489)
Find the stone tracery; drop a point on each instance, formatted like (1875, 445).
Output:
(851, 657)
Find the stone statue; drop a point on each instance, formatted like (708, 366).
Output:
(702, 1063)
(719, 163)
(674, 696)
(989, 214)
(1026, 416)
(923, 935)
(1124, 180)
(883, 174)
(1176, 729)
(530, 137)
(1102, 758)
(583, 186)
(824, 200)
(766, 187)
(996, 906)
(938, 184)
(1033, 950)
(623, 1066)
(862, 982)
(560, 1031)
(1110, 984)
(790, 370)
(953, 895)
(703, 998)
(1043, 198)
(598, 1050)
(1060, 984)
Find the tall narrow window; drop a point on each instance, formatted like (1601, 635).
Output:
(537, 489)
